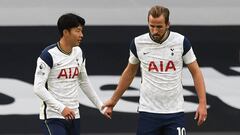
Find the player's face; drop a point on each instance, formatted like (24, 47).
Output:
(75, 35)
(157, 27)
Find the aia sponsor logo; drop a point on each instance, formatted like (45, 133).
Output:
(162, 66)
(68, 73)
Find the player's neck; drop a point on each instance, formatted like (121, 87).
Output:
(163, 38)
(64, 47)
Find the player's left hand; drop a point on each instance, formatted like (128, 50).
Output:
(201, 114)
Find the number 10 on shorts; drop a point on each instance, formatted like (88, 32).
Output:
(181, 131)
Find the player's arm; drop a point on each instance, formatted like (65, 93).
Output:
(189, 59)
(124, 82)
(88, 90)
(40, 79)
(196, 73)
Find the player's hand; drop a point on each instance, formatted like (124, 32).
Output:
(107, 112)
(109, 104)
(68, 113)
(201, 114)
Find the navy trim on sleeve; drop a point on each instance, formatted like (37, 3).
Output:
(46, 56)
(186, 46)
(133, 48)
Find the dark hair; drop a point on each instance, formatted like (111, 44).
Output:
(157, 11)
(68, 21)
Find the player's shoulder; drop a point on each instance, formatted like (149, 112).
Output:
(46, 50)
(46, 53)
(144, 38)
(80, 51)
(46, 56)
(77, 49)
(175, 37)
(174, 34)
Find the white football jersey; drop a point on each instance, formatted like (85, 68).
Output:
(161, 68)
(58, 79)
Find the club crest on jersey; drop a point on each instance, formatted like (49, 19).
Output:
(68, 73)
(172, 53)
(152, 66)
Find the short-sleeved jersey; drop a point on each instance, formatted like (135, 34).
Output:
(161, 68)
(60, 72)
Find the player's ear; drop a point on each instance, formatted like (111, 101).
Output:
(65, 32)
(168, 25)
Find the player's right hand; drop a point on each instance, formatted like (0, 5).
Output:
(107, 112)
(68, 113)
(108, 106)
